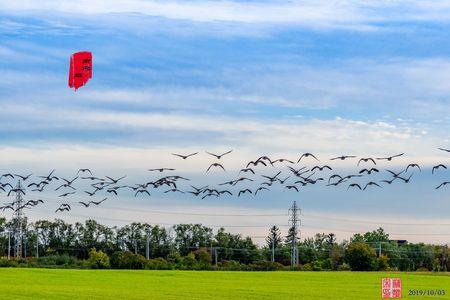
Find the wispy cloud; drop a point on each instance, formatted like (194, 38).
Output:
(361, 15)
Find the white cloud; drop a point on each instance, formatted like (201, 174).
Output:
(361, 15)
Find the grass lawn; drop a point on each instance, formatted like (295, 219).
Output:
(17, 283)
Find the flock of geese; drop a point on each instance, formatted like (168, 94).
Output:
(247, 182)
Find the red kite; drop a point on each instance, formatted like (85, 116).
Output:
(80, 69)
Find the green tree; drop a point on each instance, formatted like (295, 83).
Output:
(98, 259)
(360, 257)
(273, 241)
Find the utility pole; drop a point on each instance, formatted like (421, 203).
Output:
(379, 249)
(37, 243)
(19, 216)
(25, 242)
(9, 244)
(294, 220)
(147, 247)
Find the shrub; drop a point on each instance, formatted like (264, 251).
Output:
(317, 265)
(344, 267)
(63, 260)
(383, 263)
(188, 262)
(127, 260)
(98, 259)
(6, 263)
(232, 265)
(158, 264)
(203, 256)
(307, 267)
(174, 258)
(263, 265)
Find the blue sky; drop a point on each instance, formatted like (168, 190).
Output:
(275, 78)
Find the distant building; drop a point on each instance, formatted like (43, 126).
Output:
(399, 242)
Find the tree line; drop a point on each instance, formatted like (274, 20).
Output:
(194, 246)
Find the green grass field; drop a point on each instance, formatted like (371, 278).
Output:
(114, 284)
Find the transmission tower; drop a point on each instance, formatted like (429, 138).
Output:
(19, 219)
(294, 223)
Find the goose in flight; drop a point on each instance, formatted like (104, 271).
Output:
(321, 168)
(389, 181)
(366, 159)
(334, 176)
(412, 166)
(241, 179)
(219, 156)
(161, 170)
(34, 202)
(24, 178)
(266, 158)
(394, 174)
(368, 171)
(437, 168)
(371, 183)
(262, 188)
(84, 203)
(199, 189)
(7, 175)
(343, 157)
(65, 185)
(281, 160)
(99, 202)
(255, 163)
(141, 191)
(66, 194)
(209, 195)
(307, 154)
(247, 170)
(298, 172)
(389, 158)
(3, 208)
(291, 187)
(92, 178)
(242, 192)
(354, 185)
(273, 178)
(50, 176)
(92, 193)
(185, 156)
(20, 191)
(174, 191)
(446, 150)
(114, 181)
(406, 180)
(63, 207)
(225, 192)
(282, 181)
(6, 184)
(86, 170)
(70, 182)
(442, 184)
(215, 165)
(112, 191)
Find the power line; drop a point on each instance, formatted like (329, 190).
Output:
(172, 224)
(390, 233)
(372, 222)
(174, 212)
